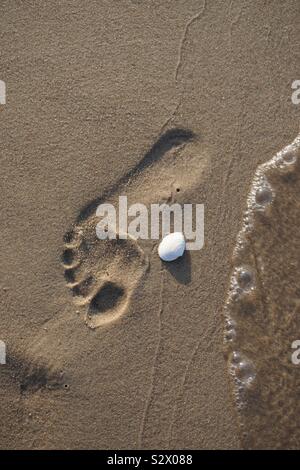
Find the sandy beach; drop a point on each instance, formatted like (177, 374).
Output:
(108, 347)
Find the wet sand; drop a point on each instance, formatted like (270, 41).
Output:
(95, 90)
(262, 309)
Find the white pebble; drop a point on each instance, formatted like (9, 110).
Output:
(172, 246)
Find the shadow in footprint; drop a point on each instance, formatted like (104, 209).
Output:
(107, 304)
(109, 297)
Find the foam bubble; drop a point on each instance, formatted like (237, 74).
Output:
(245, 278)
(289, 157)
(230, 330)
(242, 283)
(263, 196)
(235, 357)
(243, 373)
(230, 335)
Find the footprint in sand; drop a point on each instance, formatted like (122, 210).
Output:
(262, 311)
(102, 274)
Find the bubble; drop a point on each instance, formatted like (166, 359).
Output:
(245, 278)
(230, 331)
(242, 285)
(230, 324)
(263, 196)
(289, 157)
(235, 357)
(244, 372)
(230, 335)
(237, 293)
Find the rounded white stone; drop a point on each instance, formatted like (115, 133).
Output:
(172, 246)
